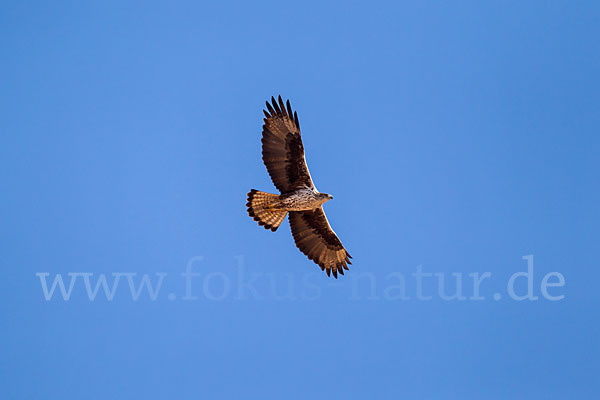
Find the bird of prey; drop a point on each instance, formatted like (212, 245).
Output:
(283, 155)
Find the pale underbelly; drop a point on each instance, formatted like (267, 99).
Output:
(300, 204)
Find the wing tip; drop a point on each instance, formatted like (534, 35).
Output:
(279, 108)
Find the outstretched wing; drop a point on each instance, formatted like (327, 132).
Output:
(315, 238)
(282, 149)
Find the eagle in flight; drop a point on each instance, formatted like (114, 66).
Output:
(283, 155)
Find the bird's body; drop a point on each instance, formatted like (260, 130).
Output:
(283, 155)
(303, 199)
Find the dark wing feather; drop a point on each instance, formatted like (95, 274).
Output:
(282, 149)
(315, 238)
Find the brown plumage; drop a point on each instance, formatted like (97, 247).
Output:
(283, 155)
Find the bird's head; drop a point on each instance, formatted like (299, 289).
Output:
(325, 197)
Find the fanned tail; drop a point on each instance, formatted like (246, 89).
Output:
(263, 207)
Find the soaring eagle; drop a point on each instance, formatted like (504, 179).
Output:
(283, 155)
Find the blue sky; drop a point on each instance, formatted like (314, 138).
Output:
(455, 136)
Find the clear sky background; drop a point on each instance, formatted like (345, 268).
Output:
(459, 136)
